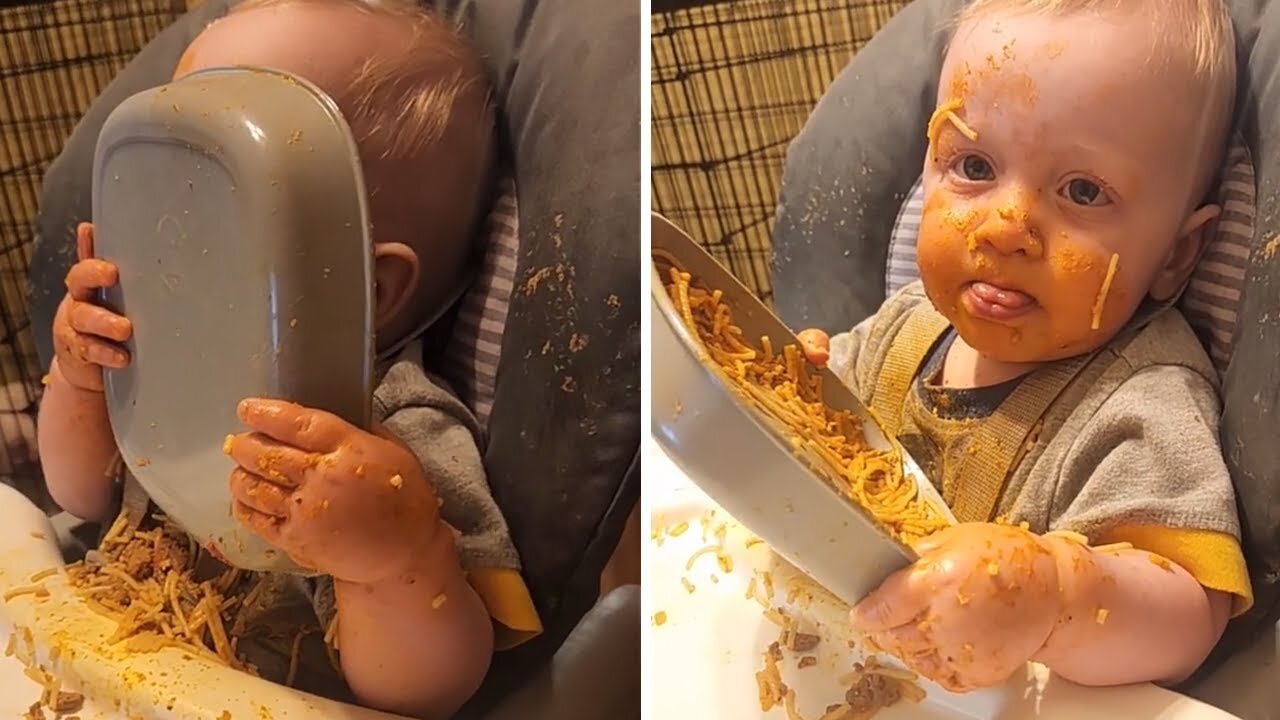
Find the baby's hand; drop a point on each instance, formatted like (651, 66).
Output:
(816, 346)
(978, 604)
(86, 335)
(339, 500)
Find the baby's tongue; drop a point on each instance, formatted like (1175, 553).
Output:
(1011, 299)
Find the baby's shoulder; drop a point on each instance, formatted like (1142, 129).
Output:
(1141, 389)
(898, 306)
(1152, 376)
(883, 328)
(1169, 341)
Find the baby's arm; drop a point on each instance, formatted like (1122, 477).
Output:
(418, 644)
(423, 645)
(73, 432)
(76, 447)
(395, 516)
(1145, 469)
(1119, 614)
(1152, 474)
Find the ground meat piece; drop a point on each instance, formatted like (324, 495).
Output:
(137, 559)
(171, 553)
(803, 642)
(872, 691)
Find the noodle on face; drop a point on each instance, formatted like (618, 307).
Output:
(778, 384)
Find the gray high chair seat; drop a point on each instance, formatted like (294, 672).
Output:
(563, 466)
(845, 230)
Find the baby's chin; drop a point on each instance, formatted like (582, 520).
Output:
(1030, 344)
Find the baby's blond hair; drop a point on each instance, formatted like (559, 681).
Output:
(404, 100)
(1196, 34)
(430, 95)
(422, 107)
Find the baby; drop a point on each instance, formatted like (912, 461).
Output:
(419, 571)
(1040, 373)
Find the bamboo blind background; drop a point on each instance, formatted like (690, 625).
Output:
(55, 57)
(732, 84)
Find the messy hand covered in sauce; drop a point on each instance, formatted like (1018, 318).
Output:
(816, 346)
(1060, 192)
(86, 335)
(337, 499)
(981, 600)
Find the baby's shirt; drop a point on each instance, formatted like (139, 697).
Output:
(1127, 452)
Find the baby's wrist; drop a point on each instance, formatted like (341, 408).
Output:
(57, 376)
(1079, 579)
(430, 563)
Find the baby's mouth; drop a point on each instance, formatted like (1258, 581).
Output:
(996, 303)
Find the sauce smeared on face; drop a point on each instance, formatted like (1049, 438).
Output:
(1053, 199)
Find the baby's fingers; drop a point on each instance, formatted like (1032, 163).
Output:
(88, 276)
(816, 346)
(87, 348)
(84, 241)
(268, 459)
(267, 527)
(894, 604)
(90, 319)
(290, 424)
(258, 494)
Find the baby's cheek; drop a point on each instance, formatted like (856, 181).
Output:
(943, 240)
(1086, 285)
(1077, 275)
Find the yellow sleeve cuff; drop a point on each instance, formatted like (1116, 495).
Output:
(507, 598)
(1213, 558)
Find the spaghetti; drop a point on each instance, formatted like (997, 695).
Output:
(1101, 301)
(144, 581)
(946, 112)
(147, 582)
(780, 387)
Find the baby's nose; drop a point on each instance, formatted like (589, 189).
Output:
(1009, 230)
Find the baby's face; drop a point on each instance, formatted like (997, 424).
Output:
(1085, 150)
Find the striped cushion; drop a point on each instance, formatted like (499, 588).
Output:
(1213, 294)
(471, 357)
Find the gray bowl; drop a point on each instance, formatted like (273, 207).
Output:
(233, 204)
(741, 460)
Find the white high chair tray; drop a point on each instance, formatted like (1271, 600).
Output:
(704, 656)
(117, 684)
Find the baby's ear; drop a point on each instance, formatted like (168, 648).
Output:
(1193, 237)
(395, 275)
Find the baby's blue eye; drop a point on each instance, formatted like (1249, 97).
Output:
(976, 169)
(1085, 192)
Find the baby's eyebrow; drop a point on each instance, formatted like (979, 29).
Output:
(946, 112)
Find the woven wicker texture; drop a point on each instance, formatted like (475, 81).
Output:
(732, 84)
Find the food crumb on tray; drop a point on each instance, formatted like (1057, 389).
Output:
(54, 701)
(869, 687)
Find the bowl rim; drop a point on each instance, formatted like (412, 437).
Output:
(772, 429)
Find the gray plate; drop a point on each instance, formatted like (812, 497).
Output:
(742, 460)
(232, 202)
